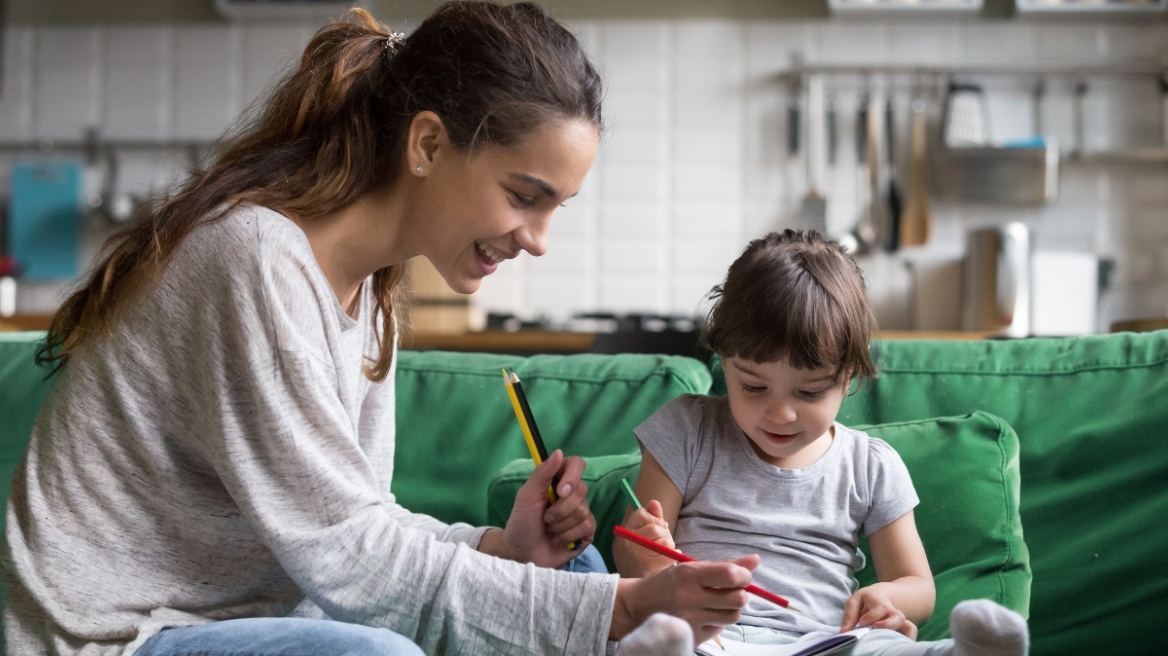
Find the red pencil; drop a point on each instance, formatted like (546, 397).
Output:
(625, 533)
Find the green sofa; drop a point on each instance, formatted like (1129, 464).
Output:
(1065, 432)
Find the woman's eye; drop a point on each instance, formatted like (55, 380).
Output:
(523, 201)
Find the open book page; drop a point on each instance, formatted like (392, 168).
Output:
(827, 645)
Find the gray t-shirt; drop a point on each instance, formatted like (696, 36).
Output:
(221, 454)
(804, 523)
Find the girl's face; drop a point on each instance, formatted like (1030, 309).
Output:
(479, 211)
(787, 413)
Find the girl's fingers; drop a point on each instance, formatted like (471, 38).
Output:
(876, 614)
(851, 613)
(655, 509)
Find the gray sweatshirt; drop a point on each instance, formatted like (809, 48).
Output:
(222, 455)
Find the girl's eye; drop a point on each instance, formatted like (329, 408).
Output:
(753, 389)
(813, 394)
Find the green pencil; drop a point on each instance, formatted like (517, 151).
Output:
(633, 500)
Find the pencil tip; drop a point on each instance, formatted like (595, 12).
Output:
(793, 607)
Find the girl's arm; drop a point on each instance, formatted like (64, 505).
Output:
(662, 502)
(904, 597)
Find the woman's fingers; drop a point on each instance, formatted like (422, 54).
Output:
(570, 474)
(726, 573)
(707, 595)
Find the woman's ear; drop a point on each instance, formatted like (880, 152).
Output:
(424, 141)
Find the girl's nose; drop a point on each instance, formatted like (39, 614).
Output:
(781, 413)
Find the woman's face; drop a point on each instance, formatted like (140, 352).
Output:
(476, 212)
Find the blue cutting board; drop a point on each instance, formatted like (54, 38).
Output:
(44, 219)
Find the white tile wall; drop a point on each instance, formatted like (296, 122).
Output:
(694, 161)
(139, 83)
(208, 91)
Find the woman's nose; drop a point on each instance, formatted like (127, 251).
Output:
(533, 236)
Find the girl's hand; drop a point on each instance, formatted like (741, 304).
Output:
(539, 534)
(707, 595)
(872, 607)
(649, 522)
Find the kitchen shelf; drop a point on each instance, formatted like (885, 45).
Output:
(1124, 156)
(905, 7)
(80, 145)
(1093, 7)
(1137, 69)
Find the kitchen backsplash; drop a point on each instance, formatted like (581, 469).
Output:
(694, 161)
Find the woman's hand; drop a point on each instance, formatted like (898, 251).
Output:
(537, 533)
(872, 607)
(649, 522)
(707, 595)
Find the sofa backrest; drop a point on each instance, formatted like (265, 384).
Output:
(1091, 416)
(456, 428)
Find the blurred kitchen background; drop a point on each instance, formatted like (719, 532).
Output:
(1001, 167)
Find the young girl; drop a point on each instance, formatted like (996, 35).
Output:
(767, 469)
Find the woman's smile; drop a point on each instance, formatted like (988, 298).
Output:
(488, 258)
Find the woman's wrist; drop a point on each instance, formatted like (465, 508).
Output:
(494, 543)
(624, 616)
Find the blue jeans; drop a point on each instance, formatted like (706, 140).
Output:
(292, 636)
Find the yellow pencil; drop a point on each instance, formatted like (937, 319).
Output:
(530, 431)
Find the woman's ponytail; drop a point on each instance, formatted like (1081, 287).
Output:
(334, 129)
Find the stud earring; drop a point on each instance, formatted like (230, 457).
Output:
(418, 169)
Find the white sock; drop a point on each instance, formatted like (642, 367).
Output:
(982, 628)
(660, 635)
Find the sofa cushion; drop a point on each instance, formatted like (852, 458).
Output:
(1091, 419)
(23, 387)
(456, 428)
(965, 470)
(968, 518)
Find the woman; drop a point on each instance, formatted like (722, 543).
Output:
(218, 447)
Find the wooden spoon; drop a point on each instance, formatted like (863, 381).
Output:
(917, 222)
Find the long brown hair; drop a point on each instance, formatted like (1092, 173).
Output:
(794, 295)
(335, 128)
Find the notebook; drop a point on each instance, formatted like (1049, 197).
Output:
(828, 645)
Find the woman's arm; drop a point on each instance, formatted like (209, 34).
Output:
(662, 502)
(905, 595)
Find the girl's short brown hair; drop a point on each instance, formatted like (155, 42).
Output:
(794, 295)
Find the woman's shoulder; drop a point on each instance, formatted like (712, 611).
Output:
(247, 233)
(250, 252)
